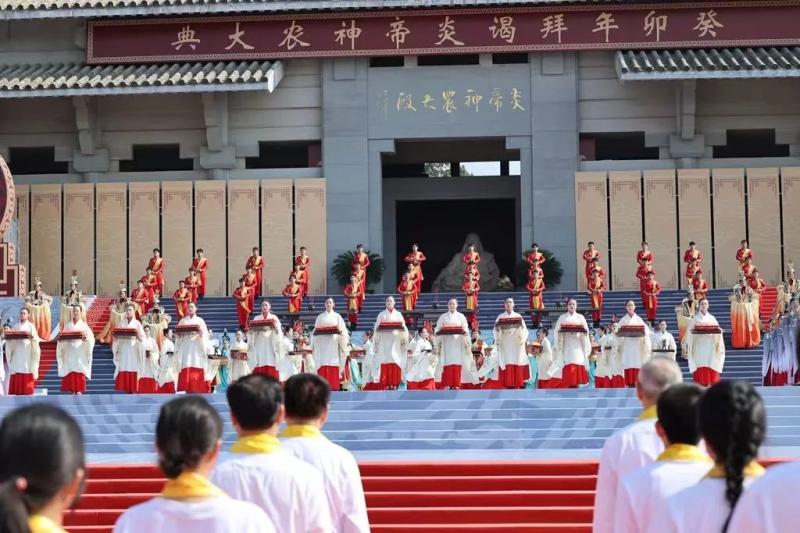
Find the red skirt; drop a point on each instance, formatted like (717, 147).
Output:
(493, 384)
(617, 382)
(475, 386)
(193, 380)
(331, 375)
(148, 386)
(705, 376)
(439, 385)
(373, 386)
(574, 375)
(74, 382)
(21, 384)
(390, 375)
(167, 388)
(602, 382)
(552, 383)
(776, 379)
(127, 381)
(426, 384)
(514, 376)
(451, 376)
(631, 377)
(267, 370)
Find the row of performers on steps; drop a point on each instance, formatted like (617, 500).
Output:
(779, 364)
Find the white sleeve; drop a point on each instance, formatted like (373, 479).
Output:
(317, 513)
(605, 494)
(624, 519)
(749, 516)
(354, 508)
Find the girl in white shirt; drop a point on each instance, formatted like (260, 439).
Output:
(733, 423)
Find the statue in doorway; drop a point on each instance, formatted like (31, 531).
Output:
(451, 278)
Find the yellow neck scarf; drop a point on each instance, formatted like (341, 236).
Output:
(752, 470)
(301, 430)
(683, 453)
(258, 443)
(649, 414)
(189, 486)
(41, 524)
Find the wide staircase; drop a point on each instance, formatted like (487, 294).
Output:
(219, 314)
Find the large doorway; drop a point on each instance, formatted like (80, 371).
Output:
(440, 227)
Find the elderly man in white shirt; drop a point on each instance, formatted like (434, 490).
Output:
(634, 446)
(307, 398)
(260, 471)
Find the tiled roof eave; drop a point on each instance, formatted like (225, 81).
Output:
(144, 89)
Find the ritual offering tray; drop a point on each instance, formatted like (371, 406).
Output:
(451, 330)
(187, 329)
(238, 356)
(630, 331)
(124, 333)
(262, 324)
(390, 326)
(70, 336)
(596, 349)
(572, 328)
(17, 335)
(533, 348)
(357, 353)
(663, 350)
(706, 330)
(326, 330)
(511, 322)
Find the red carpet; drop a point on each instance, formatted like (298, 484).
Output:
(98, 314)
(47, 360)
(767, 304)
(485, 497)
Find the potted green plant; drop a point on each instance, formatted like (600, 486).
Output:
(342, 268)
(553, 271)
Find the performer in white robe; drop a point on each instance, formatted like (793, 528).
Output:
(390, 345)
(571, 350)
(454, 350)
(240, 364)
(421, 366)
(128, 353)
(23, 357)
(148, 376)
(663, 343)
(769, 505)
(602, 372)
(330, 351)
(265, 345)
(635, 445)
(169, 366)
(191, 352)
(643, 493)
(370, 367)
(634, 351)
(258, 470)
(705, 352)
(74, 357)
(545, 362)
(307, 399)
(510, 344)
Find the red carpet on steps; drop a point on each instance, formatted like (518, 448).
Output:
(434, 497)
(98, 314)
(47, 359)
(768, 299)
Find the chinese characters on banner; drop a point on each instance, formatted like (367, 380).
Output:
(443, 32)
(451, 101)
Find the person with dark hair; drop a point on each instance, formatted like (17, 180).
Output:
(733, 423)
(200, 265)
(169, 366)
(590, 255)
(156, 264)
(704, 347)
(256, 263)
(643, 492)
(307, 399)
(259, 471)
(128, 351)
(769, 505)
(420, 369)
(634, 446)
(633, 343)
(330, 341)
(188, 440)
(191, 345)
(149, 369)
(42, 468)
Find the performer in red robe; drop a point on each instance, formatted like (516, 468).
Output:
(182, 297)
(256, 262)
(361, 259)
(650, 291)
(693, 253)
(150, 282)
(251, 282)
(294, 295)
(642, 274)
(700, 286)
(692, 268)
(141, 297)
(535, 258)
(200, 264)
(471, 288)
(598, 270)
(304, 261)
(758, 286)
(748, 268)
(416, 258)
(743, 253)
(156, 264)
(536, 290)
(361, 276)
(471, 258)
(243, 309)
(597, 285)
(589, 256)
(192, 282)
(408, 292)
(644, 256)
(302, 279)
(352, 291)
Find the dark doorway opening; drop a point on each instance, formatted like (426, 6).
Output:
(440, 227)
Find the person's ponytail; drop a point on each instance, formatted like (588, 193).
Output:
(13, 510)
